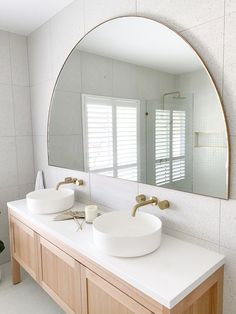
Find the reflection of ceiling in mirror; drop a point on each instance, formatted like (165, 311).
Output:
(143, 42)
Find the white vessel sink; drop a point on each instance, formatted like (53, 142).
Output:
(50, 200)
(119, 234)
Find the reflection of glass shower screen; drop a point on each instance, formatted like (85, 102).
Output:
(170, 140)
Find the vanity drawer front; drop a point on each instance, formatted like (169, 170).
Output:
(24, 246)
(60, 276)
(100, 297)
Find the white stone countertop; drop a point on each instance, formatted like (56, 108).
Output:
(166, 275)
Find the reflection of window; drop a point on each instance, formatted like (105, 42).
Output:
(111, 128)
(169, 146)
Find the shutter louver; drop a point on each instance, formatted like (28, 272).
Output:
(169, 146)
(178, 145)
(99, 137)
(126, 120)
(111, 136)
(162, 146)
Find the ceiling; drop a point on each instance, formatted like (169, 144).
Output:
(24, 16)
(143, 42)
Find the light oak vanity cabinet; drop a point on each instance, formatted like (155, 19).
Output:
(59, 275)
(80, 286)
(23, 249)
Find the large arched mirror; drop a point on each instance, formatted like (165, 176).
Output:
(134, 101)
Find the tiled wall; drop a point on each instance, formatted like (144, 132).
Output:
(16, 148)
(210, 26)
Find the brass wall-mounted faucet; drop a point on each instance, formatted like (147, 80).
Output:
(142, 201)
(70, 180)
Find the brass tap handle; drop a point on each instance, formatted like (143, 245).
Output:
(154, 200)
(163, 204)
(68, 180)
(78, 182)
(140, 198)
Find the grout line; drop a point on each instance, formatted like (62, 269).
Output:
(223, 61)
(30, 99)
(14, 114)
(201, 24)
(84, 20)
(220, 211)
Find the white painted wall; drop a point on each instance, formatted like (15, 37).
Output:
(16, 147)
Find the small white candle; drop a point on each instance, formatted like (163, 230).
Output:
(90, 213)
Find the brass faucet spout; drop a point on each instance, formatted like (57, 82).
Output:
(153, 200)
(70, 180)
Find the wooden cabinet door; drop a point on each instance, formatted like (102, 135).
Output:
(24, 246)
(59, 275)
(100, 297)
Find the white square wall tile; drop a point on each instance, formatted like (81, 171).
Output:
(40, 54)
(19, 59)
(192, 214)
(22, 110)
(40, 102)
(181, 14)
(230, 72)
(228, 224)
(208, 40)
(67, 27)
(99, 81)
(112, 192)
(5, 61)
(40, 153)
(233, 181)
(25, 188)
(125, 80)
(233, 149)
(229, 300)
(70, 79)
(25, 159)
(99, 11)
(7, 127)
(8, 165)
(6, 195)
(230, 6)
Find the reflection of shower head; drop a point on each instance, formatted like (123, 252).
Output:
(176, 96)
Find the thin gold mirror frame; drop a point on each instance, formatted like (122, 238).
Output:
(205, 68)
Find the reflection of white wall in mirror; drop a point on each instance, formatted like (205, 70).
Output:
(210, 145)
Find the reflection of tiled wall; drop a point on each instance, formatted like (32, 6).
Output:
(207, 221)
(16, 148)
(112, 78)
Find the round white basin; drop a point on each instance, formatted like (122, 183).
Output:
(50, 200)
(119, 234)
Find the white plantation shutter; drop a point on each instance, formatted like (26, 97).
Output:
(178, 145)
(127, 142)
(99, 135)
(162, 146)
(169, 146)
(111, 136)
